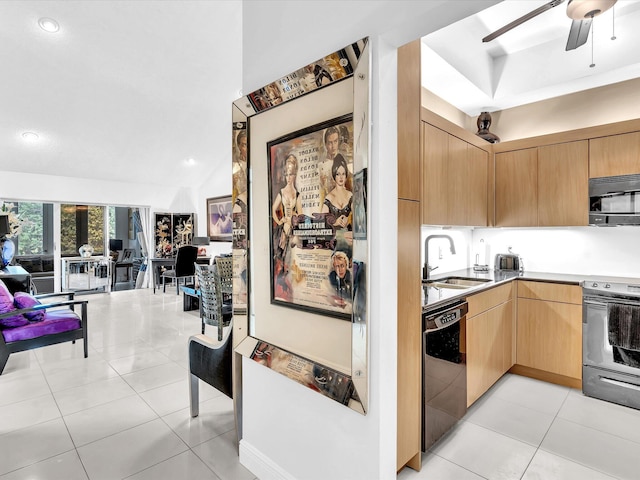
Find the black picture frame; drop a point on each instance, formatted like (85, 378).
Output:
(219, 219)
(310, 245)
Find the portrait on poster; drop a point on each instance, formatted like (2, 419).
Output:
(360, 205)
(311, 226)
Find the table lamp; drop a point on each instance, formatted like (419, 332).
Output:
(200, 242)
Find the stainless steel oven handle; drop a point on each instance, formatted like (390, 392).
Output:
(619, 383)
(590, 301)
(603, 302)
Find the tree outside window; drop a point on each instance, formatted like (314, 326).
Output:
(79, 225)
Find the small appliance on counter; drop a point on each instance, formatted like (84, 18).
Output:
(508, 261)
(481, 257)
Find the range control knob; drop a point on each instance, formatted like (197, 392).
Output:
(594, 285)
(608, 285)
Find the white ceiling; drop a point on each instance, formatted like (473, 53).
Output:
(528, 63)
(125, 91)
(129, 90)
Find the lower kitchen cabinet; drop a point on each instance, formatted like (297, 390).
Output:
(549, 328)
(489, 339)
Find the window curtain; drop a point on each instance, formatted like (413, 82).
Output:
(141, 220)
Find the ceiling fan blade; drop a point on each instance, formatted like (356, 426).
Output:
(521, 20)
(579, 33)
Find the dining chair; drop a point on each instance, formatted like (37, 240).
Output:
(215, 284)
(211, 360)
(184, 267)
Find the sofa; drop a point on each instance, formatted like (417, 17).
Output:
(41, 269)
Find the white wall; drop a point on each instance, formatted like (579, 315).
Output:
(290, 431)
(599, 251)
(598, 106)
(578, 250)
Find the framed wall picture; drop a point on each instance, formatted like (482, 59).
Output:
(163, 235)
(172, 231)
(310, 199)
(219, 219)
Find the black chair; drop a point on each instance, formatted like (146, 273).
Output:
(184, 267)
(126, 263)
(210, 362)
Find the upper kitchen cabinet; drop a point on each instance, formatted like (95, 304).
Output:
(409, 121)
(563, 184)
(454, 179)
(614, 155)
(543, 186)
(517, 188)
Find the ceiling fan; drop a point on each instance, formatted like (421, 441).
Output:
(581, 12)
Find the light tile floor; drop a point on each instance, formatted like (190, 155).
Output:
(124, 411)
(531, 430)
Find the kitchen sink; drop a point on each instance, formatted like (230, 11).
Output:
(456, 282)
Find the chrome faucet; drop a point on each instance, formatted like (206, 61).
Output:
(426, 270)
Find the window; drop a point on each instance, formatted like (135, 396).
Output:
(36, 233)
(79, 225)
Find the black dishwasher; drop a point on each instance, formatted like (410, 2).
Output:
(444, 372)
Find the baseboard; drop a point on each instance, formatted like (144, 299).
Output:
(262, 467)
(547, 376)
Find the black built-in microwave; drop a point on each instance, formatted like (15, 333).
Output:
(614, 200)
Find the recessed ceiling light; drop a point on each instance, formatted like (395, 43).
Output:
(30, 136)
(190, 161)
(49, 25)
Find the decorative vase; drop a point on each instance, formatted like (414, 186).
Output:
(86, 250)
(484, 122)
(8, 250)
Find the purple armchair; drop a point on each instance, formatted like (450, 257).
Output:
(32, 324)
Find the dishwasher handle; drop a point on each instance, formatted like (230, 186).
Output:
(444, 318)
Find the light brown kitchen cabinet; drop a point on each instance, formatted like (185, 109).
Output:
(563, 184)
(614, 155)
(435, 153)
(549, 329)
(454, 180)
(409, 387)
(543, 186)
(517, 188)
(489, 339)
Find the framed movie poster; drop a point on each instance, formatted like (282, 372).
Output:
(219, 219)
(310, 183)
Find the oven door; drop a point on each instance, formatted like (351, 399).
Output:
(596, 349)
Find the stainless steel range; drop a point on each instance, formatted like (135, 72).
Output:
(611, 342)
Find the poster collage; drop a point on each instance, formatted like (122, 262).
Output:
(328, 69)
(317, 220)
(240, 215)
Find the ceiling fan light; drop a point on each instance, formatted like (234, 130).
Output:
(581, 9)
